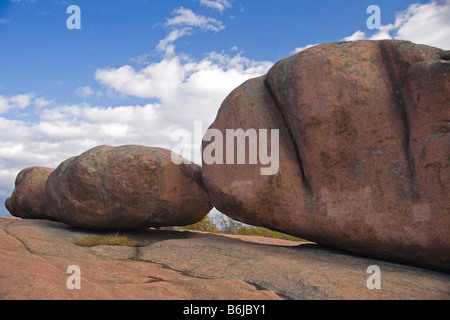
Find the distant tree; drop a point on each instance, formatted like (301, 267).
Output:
(230, 226)
(206, 225)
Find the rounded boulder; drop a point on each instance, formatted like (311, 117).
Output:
(127, 187)
(29, 199)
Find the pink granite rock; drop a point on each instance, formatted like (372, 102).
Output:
(369, 122)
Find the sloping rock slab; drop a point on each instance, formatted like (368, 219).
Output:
(35, 255)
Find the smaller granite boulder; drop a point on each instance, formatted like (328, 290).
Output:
(29, 199)
(127, 187)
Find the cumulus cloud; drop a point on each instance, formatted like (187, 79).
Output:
(187, 90)
(428, 24)
(421, 23)
(182, 76)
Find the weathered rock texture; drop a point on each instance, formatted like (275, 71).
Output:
(29, 199)
(127, 187)
(35, 255)
(240, 190)
(369, 122)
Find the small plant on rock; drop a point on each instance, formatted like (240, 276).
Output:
(105, 240)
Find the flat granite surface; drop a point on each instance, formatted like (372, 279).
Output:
(184, 265)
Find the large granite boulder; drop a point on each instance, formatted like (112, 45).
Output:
(29, 199)
(127, 187)
(369, 123)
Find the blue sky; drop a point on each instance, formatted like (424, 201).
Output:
(140, 69)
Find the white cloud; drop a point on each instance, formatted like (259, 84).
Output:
(188, 90)
(16, 102)
(135, 116)
(183, 23)
(186, 17)
(427, 24)
(181, 76)
(299, 49)
(141, 59)
(4, 21)
(220, 5)
(421, 23)
(166, 45)
(86, 92)
(42, 103)
(21, 101)
(358, 35)
(4, 104)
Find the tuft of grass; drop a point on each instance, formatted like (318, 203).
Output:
(105, 240)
